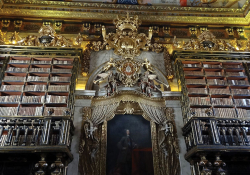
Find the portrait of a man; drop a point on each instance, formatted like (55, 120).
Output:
(129, 147)
(126, 146)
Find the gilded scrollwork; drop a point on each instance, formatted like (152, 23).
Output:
(126, 41)
(2, 37)
(207, 41)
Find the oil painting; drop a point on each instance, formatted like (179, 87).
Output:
(129, 147)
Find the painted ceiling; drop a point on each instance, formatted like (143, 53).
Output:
(188, 3)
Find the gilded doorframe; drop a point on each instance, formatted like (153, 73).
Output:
(160, 138)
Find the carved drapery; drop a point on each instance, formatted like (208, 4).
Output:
(91, 153)
(94, 134)
(167, 144)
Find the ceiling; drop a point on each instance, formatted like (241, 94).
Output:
(183, 3)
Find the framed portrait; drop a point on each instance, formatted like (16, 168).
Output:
(129, 146)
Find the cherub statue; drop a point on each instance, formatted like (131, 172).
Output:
(109, 65)
(148, 66)
(91, 129)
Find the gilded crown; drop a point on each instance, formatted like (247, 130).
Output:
(127, 22)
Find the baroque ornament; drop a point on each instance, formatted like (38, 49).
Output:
(128, 73)
(126, 41)
(207, 41)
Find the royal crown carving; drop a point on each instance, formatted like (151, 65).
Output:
(127, 41)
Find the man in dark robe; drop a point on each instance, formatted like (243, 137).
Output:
(124, 161)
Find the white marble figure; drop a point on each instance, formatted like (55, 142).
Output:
(165, 127)
(91, 129)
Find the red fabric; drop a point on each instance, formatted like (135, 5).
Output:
(142, 162)
(183, 3)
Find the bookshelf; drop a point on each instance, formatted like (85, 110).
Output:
(214, 89)
(33, 86)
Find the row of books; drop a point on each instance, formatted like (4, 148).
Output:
(61, 70)
(36, 78)
(62, 62)
(39, 70)
(10, 99)
(40, 62)
(240, 91)
(11, 88)
(218, 112)
(58, 88)
(30, 111)
(197, 73)
(222, 101)
(57, 111)
(192, 65)
(212, 66)
(16, 69)
(238, 82)
(235, 74)
(214, 73)
(200, 112)
(243, 113)
(228, 66)
(218, 101)
(242, 102)
(201, 73)
(197, 90)
(37, 88)
(20, 61)
(44, 70)
(225, 112)
(232, 66)
(8, 111)
(56, 78)
(33, 99)
(199, 100)
(205, 91)
(14, 78)
(33, 111)
(217, 82)
(195, 81)
(56, 99)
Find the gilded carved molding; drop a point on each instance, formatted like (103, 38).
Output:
(125, 6)
(129, 96)
(208, 42)
(108, 16)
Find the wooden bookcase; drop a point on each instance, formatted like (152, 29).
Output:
(33, 85)
(214, 89)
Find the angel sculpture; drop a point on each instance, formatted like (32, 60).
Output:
(109, 65)
(147, 83)
(91, 129)
(148, 66)
(165, 127)
(103, 76)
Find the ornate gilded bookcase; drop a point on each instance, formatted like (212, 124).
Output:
(37, 109)
(215, 106)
